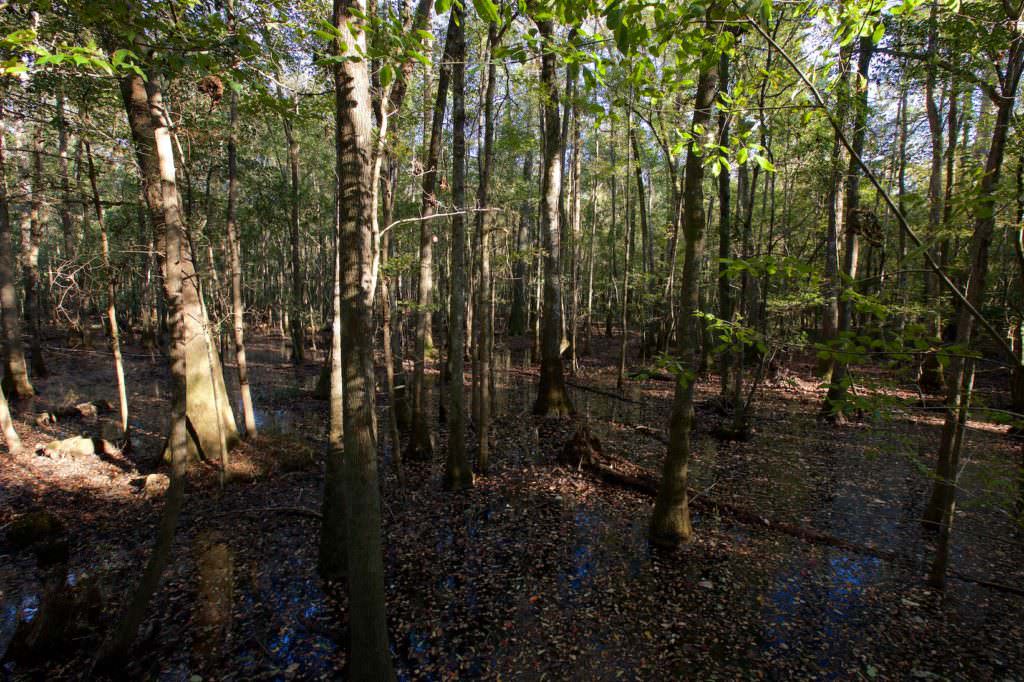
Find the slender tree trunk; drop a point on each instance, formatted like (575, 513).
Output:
(552, 397)
(942, 502)
(627, 254)
(421, 442)
(833, 405)
(369, 651)
(31, 238)
(725, 303)
(115, 336)
(458, 473)
(234, 251)
(831, 282)
(297, 327)
(670, 520)
(483, 230)
(519, 315)
(15, 382)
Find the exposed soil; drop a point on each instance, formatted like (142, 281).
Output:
(539, 571)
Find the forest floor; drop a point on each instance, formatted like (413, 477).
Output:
(540, 571)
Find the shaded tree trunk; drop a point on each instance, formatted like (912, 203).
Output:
(369, 651)
(833, 406)
(941, 506)
(458, 474)
(15, 382)
(670, 520)
(552, 396)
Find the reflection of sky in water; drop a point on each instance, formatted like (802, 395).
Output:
(816, 603)
(288, 605)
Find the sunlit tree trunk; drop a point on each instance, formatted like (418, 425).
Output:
(209, 418)
(7, 426)
(421, 442)
(235, 255)
(146, 116)
(115, 336)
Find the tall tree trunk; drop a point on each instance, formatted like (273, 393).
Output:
(370, 655)
(627, 255)
(209, 418)
(31, 238)
(235, 253)
(144, 104)
(942, 502)
(520, 313)
(15, 382)
(115, 336)
(552, 397)
(670, 520)
(483, 230)
(421, 445)
(297, 327)
(830, 285)
(833, 405)
(458, 474)
(725, 303)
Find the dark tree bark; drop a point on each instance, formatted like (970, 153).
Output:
(520, 313)
(552, 396)
(670, 520)
(370, 655)
(458, 474)
(833, 406)
(15, 382)
(941, 506)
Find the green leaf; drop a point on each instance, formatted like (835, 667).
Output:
(487, 10)
(387, 75)
(879, 32)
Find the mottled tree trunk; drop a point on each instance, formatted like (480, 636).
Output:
(210, 418)
(369, 651)
(670, 520)
(144, 105)
(833, 406)
(31, 238)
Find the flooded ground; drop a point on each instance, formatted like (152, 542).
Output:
(539, 571)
